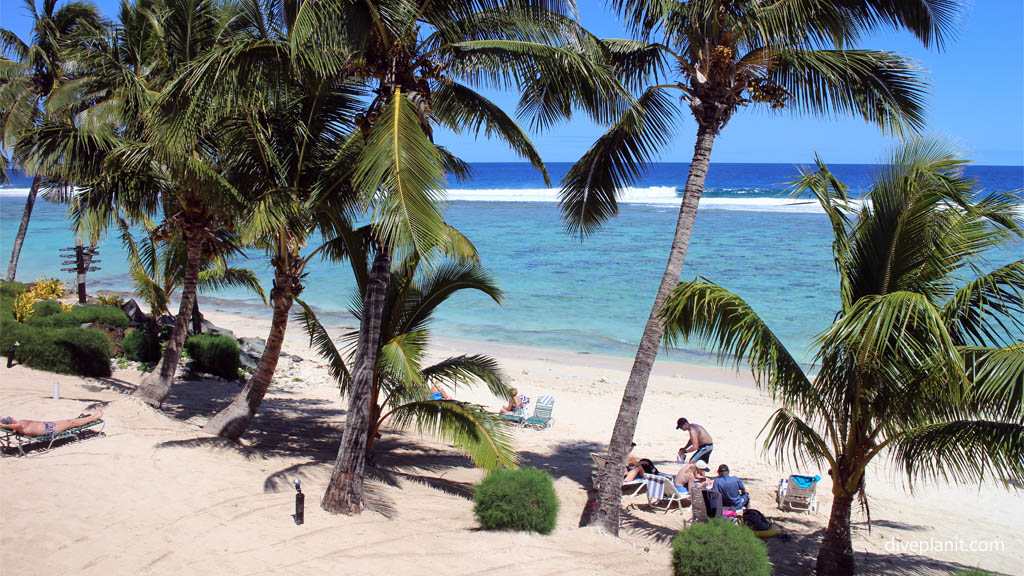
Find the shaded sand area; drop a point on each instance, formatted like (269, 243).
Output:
(158, 496)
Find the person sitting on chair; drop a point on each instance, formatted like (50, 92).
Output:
(35, 428)
(692, 475)
(515, 403)
(734, 493)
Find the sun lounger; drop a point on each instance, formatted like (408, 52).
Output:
(21, 442)
(631, 488)
(541, 413)
(662, 493)
(799, 493)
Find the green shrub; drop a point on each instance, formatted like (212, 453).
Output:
(8, 290)
(973, 572)
(44, 308)
(141, 346)
(79, 315)
(217, 355)
(522, 499)
(719, 548)
(63, 350)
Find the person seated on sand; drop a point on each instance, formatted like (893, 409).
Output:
(637, 467)
(515, 403)
(437, 393)
(692, 475)
(734, 493)
(37, 428)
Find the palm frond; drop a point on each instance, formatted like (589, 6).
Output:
(321, 341)
(481, 435)
(466, 369)
(963, 452)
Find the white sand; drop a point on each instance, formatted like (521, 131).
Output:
(158, 496)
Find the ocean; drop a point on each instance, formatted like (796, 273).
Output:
(592, 296)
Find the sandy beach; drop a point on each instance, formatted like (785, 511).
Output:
(156, 495)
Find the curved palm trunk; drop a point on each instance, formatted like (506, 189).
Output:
(836, 555)
(345, 492)
(232, 422)
(609, 500)
(12, 267)
(155, 387)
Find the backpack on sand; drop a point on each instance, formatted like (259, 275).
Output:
(755, 520)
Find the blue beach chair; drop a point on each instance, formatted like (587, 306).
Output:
(541, 413)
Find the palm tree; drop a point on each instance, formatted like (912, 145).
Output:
(149, 167)
(402, 384)
(724, 55)
(29, 73)
(414, 61)
(158, 262)
(924, 363)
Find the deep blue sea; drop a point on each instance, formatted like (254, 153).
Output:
(592, 296)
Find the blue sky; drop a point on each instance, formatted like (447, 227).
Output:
(976, 98)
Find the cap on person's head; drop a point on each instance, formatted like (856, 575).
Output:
(723, 469)
(702, 465)
(681, 422)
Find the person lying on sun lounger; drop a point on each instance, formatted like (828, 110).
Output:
(35, 428)
(637, 467)
(438, 393)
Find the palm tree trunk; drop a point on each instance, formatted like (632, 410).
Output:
(12, 267)
(154, 388)
(609, 499)
(345, 492)
(231, 422)
(836, 555)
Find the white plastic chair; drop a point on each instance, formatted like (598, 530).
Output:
(794, 497)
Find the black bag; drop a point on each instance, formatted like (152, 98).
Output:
(648, 466)
(712, 503)
(755, 520)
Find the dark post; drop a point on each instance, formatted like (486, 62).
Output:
(82, 263)
(300, 504)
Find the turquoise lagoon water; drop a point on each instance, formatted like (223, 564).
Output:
(592, 296)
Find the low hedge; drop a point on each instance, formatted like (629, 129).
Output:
(141, 346)
(44, 308)
(62, 350)
(719, 548)
(85, 314)
(522, 499)
(213, 354)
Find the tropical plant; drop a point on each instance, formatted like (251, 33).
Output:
(419, 59)
(132, 163)
(719, 548)
(401, 389)
(717, 57)
(29, 73)
(924, 362)
(158, 261)
(522, 499)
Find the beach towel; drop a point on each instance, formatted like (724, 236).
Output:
(804, 481)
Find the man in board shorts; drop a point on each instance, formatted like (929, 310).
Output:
(700, 441)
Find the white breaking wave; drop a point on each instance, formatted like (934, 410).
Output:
(655, 196)
(14, 192)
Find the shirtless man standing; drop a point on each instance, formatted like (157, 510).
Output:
(37, 428)
(700, 441)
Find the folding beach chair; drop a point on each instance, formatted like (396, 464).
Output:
(631, 488)
(519, 415)
(541, 413)
(706, 504)
(799, 493)
(21, 442)
(662, 493)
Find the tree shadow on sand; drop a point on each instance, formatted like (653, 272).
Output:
(796, 555)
